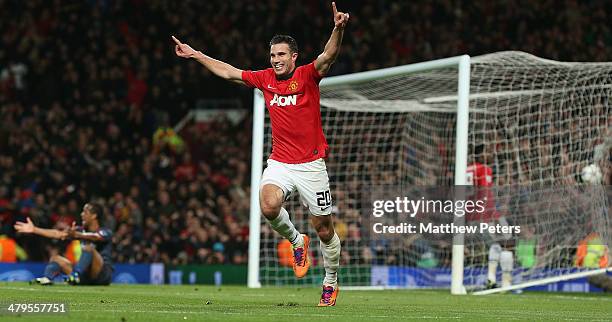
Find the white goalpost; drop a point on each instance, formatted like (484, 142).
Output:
(540, 122)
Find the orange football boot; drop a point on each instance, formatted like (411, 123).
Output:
(329, 295)
(301, 261)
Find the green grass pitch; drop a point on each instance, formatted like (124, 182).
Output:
(206, 303)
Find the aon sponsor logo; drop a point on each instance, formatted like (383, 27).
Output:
(283, 100)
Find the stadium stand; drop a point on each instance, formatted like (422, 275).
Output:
(85, 85)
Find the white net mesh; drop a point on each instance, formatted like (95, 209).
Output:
(540, 122)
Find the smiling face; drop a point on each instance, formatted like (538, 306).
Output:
(282, 59)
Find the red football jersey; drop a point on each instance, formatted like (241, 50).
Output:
(295, 113)
(480, 175)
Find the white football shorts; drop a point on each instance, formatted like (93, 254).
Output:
(309, 179)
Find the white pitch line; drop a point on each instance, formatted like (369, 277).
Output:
(51, 289)
(581, 298)
(239, 313)
(46, 288)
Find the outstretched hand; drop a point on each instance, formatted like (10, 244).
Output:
(71, 232)
(340, 18)
(24, 227)
(183, 50)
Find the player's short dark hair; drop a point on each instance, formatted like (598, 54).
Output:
(479, 149)
(99, 211)
(284, 39)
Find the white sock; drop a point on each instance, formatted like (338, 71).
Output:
(494, 254)
(331, 259)
(492, 276)
(283, 225)
(506, 261)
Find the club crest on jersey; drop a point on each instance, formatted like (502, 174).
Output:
(283, 100)
(293, 86)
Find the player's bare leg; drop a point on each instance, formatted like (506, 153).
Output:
(90, 263)
(271, 199)
(63, 262)
(96, 264)
(57, 264)
(330, 249)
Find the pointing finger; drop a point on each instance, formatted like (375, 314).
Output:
(334, 8)
(176, 40)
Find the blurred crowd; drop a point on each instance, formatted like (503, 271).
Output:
(87, 88)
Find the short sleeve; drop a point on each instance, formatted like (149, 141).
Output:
(312, 72)
(106, 234)
(253, 79)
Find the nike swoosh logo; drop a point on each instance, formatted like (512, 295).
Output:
(270, 87)
(323, 209)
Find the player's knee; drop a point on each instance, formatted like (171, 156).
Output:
(56, 259)
(270, 208)
(325, 233)
(270, 202)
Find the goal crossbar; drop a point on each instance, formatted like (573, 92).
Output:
(394, 71)
(503, 94)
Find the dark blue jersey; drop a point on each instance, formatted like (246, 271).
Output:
(104, 246)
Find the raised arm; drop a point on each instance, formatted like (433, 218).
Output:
(29, 228)
(217, 67)
(332, 48)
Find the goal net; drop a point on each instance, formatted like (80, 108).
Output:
(536, 123)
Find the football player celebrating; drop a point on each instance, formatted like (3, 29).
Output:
(94, 266)
(298, 143)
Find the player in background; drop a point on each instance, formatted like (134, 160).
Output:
(479, 174)
(292, 98)
(95, 265)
